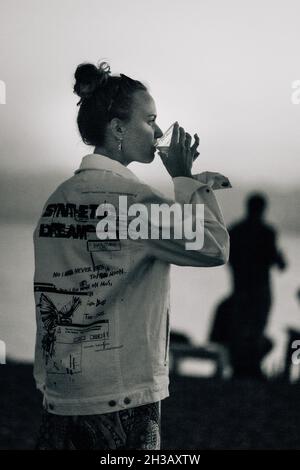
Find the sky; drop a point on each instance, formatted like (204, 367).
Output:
(222, 69)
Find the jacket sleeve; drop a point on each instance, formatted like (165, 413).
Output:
(208, 226)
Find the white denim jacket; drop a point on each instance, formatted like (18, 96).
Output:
(102, 307)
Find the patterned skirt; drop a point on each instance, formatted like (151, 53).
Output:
(134, 428)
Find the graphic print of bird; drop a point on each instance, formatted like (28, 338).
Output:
(51, 318)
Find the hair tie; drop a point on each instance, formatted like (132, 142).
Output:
(103, 72)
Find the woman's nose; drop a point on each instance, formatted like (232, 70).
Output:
(158, 132)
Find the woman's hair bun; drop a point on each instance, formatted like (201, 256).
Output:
(88, 78)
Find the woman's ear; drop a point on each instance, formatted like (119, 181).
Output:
(117, 128)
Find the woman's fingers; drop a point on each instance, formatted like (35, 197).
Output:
(194, 147)
(196, 143)
(188, 140)
(188, 153)
(181, 154)
(182, 137)
(175, 134)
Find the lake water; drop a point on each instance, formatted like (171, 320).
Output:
(194, 295)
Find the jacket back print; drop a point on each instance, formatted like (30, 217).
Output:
(102, 306)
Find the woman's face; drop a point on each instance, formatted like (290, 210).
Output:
(141, 132)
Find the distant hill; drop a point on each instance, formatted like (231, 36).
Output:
(23, 196)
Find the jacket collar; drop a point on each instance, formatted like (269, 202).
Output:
(95, 161)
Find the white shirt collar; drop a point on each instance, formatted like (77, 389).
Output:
(95, 161)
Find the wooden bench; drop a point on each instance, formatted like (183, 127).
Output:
(181, 348)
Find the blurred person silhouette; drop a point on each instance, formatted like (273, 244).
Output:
(240, 319)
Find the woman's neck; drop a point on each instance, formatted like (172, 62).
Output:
(114, 155)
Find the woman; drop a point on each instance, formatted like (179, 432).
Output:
(102, 304)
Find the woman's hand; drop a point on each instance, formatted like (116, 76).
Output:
(181, 155)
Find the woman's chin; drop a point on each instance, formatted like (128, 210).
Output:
(147, 159)
(143, 157)
(151, 157)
